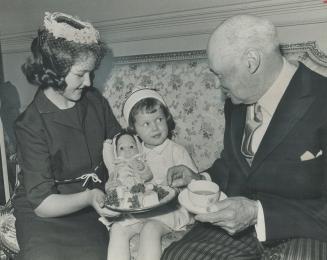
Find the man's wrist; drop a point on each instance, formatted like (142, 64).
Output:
(255, 212)
(260, 226)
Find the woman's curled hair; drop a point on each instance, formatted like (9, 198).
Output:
(52, 59)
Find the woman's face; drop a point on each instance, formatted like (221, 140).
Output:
(151, 127)
(78, 77)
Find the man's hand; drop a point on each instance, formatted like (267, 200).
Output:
(232, 214)
(180, 175)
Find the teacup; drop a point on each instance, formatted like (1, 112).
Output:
(203, 193)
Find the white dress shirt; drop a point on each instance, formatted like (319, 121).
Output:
(269, 102)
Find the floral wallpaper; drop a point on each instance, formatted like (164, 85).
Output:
(192, 94)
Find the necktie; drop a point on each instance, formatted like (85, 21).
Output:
(253, 121)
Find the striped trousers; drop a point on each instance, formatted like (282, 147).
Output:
(297, 249)
(207, 242)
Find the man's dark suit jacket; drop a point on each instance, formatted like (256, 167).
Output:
(293, 193)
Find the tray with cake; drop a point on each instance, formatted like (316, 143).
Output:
(139, 198)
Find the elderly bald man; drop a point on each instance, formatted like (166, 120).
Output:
(273, 166)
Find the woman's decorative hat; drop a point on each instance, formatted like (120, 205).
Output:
(137, 94)
(70, 28)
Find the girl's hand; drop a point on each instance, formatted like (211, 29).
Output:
(96, 200)
(181, 176)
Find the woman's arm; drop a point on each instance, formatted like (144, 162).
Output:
(57, 205)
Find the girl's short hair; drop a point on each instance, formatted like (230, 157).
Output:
(150, 105)
(53, 57)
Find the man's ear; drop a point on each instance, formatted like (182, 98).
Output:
(252, 59)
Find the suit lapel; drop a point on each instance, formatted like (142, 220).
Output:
(292, 107)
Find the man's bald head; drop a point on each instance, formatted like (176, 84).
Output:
(244, 53)
(241, 32)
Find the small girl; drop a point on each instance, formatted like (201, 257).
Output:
(148, 116)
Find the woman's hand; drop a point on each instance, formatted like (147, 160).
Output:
(96, 200)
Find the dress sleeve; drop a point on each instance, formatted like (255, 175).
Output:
(34, 159)
(182, 157)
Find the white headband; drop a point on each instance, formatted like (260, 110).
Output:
(137, 95)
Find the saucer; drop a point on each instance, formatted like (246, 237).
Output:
(185, 202)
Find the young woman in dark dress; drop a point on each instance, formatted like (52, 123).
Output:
(59, 142)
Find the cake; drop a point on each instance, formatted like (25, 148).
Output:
(150, 198)
(138, 196)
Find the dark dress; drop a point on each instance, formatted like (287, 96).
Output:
(53, 146)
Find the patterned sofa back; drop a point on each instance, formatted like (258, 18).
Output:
(191, 91)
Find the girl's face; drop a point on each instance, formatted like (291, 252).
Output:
(126, 147)
(78, 78)
(151, 127)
